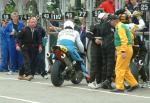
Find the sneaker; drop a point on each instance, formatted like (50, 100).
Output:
(133, 88)
(94, 85)
(106, 84)
(10, 73)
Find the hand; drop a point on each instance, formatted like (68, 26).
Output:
(12, 33)
(40, 49)
(127, 12)
(98, 42)
(18, 48)
(137, 14)
(123, 54)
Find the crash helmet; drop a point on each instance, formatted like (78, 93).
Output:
(68, 24)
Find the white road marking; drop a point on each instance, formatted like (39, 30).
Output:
(17, 99)
(87, 89)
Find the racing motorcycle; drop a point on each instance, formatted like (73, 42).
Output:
(63, 66)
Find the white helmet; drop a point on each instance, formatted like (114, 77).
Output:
(69, 23)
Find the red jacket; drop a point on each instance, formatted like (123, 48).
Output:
(108, 6)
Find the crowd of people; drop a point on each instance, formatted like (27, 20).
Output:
(114, 46)
(117, 46)
(21, 46)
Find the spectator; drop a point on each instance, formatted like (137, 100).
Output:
(30, 43)
(96, 55)
(133, 6)
(82, 31)
(4, 55)
(108, 53)
(108, 6)
(12, 29)
(41, 56)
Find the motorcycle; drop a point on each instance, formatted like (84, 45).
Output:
(63, 66)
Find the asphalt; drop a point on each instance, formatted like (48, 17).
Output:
(40, 90)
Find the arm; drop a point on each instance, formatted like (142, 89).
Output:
(19, 39)
(79, 43)
(141, 24)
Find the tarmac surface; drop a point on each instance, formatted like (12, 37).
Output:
(40, 90)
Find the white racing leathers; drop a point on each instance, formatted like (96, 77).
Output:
(71, 38)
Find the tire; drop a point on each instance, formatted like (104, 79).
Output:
(78, 77)
(56, 77)
(134, 70)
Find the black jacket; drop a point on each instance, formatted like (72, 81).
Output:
(25, 38)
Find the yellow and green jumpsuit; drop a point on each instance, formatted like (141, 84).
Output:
(123, 43)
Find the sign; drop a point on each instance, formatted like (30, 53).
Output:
(6, 16)
(69, 15)
(145, 6)
(51, 16)
(82, 13)
(24, 17)
(97, 12)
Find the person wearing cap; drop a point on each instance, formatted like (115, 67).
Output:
(139, 49)
(96, 53)
(123, 44)
(108, 52)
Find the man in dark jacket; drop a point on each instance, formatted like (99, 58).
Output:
(96, 56)
(30, 43)
(108, 53)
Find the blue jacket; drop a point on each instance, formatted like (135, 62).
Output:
(9, 28)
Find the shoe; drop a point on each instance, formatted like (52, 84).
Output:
(10, 73)
(92, 85)
(46, 76)
(106, 85)
(20, 77)
(133, 88)
(117, 91)
(29, 77)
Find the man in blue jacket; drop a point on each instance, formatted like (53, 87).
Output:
(12, 29)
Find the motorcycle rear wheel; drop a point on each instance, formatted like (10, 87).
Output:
(56, 74)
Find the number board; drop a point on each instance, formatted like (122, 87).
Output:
(24, 17)
(82, 13)
(97, 12)
(69, 15)
(145, 6)
(6, 16)
(51, 16)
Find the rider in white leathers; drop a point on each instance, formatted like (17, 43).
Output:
(71, 38)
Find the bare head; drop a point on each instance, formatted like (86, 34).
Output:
(15, 17)
(32, 22)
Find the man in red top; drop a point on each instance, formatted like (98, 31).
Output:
(108, 6)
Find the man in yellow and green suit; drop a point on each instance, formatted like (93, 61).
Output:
(124, 52)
